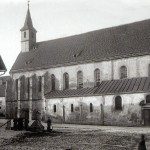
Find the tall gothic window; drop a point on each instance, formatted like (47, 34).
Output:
(40, 83)
(118, 103)
(16, 89)
(79, 79)
(123, 72)
(28, 88)
(53, 81)
(66, 81)
(97, 77)
(148, 99)
(149, 70)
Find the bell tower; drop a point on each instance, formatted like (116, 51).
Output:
(28, 34)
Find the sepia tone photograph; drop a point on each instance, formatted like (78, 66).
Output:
(75, 75)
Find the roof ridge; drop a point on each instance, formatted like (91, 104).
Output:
(92, 31)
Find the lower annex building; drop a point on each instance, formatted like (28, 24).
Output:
(100, 77)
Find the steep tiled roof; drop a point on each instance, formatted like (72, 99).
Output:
(134, 85)
(71, 92)
(2, 65)
(111, 43)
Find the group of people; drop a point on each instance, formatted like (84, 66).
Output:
(20, 123)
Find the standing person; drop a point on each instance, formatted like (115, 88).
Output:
(49, 124)
(15, 123)
(142, 145)
(26, 122)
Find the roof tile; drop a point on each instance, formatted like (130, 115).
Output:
(111, 43)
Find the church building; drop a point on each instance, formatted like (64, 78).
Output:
(101, 77)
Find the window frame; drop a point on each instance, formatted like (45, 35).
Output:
(24, 34)
(123, 72)
(55, 108)
(66, 80)
(72, 108)
(53, 82)
(79, 79)
(147, 99)
(39, 83)
(118, 104)
(91, 107)
(97, 77)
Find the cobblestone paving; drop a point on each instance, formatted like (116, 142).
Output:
(75, 137)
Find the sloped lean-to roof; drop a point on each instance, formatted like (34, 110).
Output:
(111, 43)
(134, 85)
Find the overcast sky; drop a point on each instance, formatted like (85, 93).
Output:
(59, 18)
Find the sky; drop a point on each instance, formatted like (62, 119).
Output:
(60, 18)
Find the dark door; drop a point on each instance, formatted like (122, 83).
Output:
(147, 117)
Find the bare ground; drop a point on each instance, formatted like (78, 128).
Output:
(75, 137)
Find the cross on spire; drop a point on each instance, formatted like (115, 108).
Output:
(28, 3)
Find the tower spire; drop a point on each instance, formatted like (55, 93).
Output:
(28, 33)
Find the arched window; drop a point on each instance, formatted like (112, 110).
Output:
(97, 77)
(53, 81)
(79, 79)
(54, 108)
(123, 72)
(66, 81)
(72, 108)
(149, 70)
(39, 83)
(91, 107)
(148, 99)
(118, 103)
(24, 34)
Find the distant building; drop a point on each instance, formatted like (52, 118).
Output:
(100, 77)
(3, 81)
(2, 101)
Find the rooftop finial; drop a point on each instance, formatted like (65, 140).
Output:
(28, 3)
